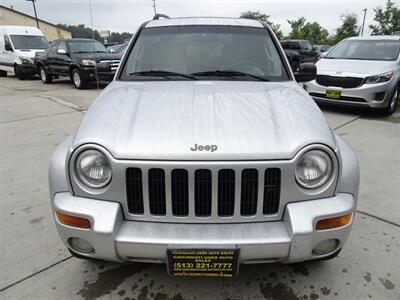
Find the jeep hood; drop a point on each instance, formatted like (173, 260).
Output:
(163, 120)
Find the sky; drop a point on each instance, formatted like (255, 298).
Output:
(128, 15)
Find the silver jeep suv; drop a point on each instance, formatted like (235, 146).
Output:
(202, 154)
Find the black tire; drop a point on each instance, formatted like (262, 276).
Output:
(393, 103)
(44, 75)
(18, 73)
(77, 79)
(3, 73)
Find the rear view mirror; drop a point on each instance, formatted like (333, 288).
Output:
(62, 52)
(306, 72)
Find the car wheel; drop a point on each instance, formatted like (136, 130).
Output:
(18, 73)
(3, 73)
(46, 78)
(77, 79)
(392, 105)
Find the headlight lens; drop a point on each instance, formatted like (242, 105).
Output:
(379, 78)
(313, 169)
(26, 60)
(93, 168)
(88, 62)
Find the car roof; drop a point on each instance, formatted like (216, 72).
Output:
(204, 21)
(21, 30)
(374, 38)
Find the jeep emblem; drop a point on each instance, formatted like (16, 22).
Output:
(197, 147)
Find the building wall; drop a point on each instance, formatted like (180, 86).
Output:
(52, 32)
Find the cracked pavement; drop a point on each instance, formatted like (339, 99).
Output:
(35, 118)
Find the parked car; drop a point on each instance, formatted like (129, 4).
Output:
(322, 48)
(299, 51)
(115, 48)
(360, 72)
(18, 45)
(83, 60)
(202, 154)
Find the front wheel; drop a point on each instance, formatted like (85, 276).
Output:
(77, 79)
(392, 105)
(44, 75)
(18, 73)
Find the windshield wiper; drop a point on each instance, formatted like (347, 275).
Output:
(81, 52)
(162, 73)
(229, 73)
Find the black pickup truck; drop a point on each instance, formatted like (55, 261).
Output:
(80, 59)
(299, 51)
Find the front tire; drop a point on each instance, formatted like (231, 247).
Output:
(18, 73)
(77, 79)
(44, 75)
(392, 105)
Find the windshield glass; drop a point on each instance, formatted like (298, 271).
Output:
(366, 50)
(29, 42)
(86, 47)
(205, 51)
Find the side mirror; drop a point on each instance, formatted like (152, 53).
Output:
(306, 72)
(8, 47)
(62, 52)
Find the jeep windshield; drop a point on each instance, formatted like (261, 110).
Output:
(204, 53)
(386, 50)
(36, 42)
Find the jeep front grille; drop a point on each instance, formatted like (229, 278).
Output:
(229, 192)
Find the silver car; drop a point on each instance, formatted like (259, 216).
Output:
(204, 153)
(360, 72)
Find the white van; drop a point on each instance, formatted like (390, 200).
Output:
(18, 45)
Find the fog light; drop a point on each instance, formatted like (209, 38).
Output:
(325, 247)
(81, 245)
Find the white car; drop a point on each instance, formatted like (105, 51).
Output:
(18, 45)
(359, 72)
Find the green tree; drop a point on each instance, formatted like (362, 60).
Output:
(297, 26)
(348, 28)
(264, 18)
(387, 19)
(315, 33)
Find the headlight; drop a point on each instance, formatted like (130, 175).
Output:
(25, 60)
(93, 168)
(88, 62)
(313, 169)
(379, 78)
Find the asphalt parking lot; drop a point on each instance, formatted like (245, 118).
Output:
(35, 118)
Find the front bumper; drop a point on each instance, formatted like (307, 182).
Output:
(368, 95)
(290, 240)
(104, 73)
(28, 69)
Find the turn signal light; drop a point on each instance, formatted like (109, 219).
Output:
(72, 220)
(334, 222)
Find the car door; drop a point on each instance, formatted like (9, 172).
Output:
(7, 54)
(63, 58)
(51, 58)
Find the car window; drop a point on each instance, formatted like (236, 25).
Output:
(196, 49)
(29, 42)
(366, 50)
(53, 47)
(7, 43)
(62, 46)
(86, 47)
(291, 45)
(307, 46)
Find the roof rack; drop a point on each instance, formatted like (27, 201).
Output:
(158, 16)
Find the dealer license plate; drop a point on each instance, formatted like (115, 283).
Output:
(221, 263)
(333, 94)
